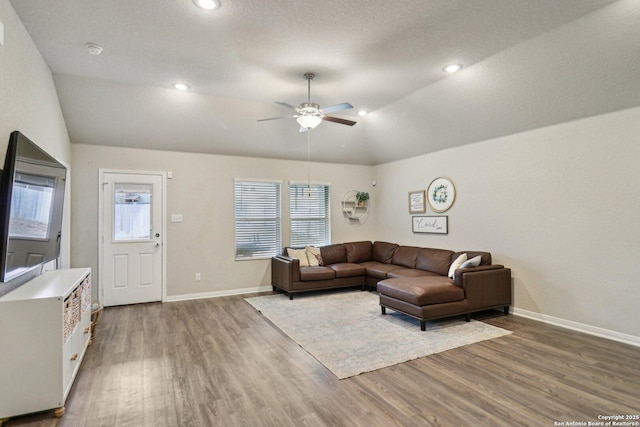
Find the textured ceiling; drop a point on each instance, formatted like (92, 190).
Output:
(527, 64)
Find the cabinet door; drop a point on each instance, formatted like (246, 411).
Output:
(69, 362)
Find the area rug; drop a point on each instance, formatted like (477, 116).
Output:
(346, 332)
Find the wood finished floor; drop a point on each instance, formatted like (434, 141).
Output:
(217, 362)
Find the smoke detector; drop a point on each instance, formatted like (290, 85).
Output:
(93, 49)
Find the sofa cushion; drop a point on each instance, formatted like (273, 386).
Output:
(473, 262)
(348, 269)
(383, 252)
(421, 290)
(405, 256)
(316, 273)
(315, 258)
(409, 272)
(462, 258)
(434, 260)
(333, 254)
(358, 251)
(485, 256)
(299, 254)
(377, 269)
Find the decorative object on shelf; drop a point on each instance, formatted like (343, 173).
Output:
(441, 194)
(430, 224)
(362, 198)
(355, 213)
(416, 202)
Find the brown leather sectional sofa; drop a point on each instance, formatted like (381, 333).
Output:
(409, 279)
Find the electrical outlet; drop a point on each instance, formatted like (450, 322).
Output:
(198, 277)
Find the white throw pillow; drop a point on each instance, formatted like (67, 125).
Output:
(300, 254)
(473, 262)
(314, 256)
(456, 265)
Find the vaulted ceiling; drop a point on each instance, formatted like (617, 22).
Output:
(527, 64)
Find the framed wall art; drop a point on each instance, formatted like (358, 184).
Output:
(417, 202)
(430, 224)
(441, 194)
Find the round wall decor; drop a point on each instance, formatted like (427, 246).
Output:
(355, 212)
(441, 194)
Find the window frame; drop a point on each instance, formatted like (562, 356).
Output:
(272, 238)
(326, 218)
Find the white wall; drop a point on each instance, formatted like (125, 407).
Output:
(29, 103)
(558, 205)
(202, 191)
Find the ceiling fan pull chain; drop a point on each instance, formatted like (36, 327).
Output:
(309, 161)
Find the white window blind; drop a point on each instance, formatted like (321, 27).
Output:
(258, 219)
(309, 211)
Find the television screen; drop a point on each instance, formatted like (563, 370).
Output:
(32, 196)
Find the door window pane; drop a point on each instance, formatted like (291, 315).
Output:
(132, 212)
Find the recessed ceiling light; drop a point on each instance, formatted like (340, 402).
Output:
(181, 86)
(452, 68)
(93, 49)
(363, 113)
(207, 4)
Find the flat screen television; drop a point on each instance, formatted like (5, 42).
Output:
(31, 201)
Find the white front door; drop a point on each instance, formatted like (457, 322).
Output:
(131, 237)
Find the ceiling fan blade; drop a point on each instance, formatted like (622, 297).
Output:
(337, 107)
(337, 120)
(276, 118)
(285, 105)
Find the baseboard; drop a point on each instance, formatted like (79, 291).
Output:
(215, 294)
(579, 327)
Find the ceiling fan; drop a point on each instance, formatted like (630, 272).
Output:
(309, 114)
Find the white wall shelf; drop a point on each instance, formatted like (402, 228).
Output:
(353, 211)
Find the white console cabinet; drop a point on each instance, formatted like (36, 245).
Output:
(45, 327)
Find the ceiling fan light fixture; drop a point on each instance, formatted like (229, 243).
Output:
(363, 113)
(207, 4)
(309, 114)
(309, 122)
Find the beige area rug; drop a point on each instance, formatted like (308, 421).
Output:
(346, 332)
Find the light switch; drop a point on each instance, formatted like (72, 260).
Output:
(1, 34)
(176, 217)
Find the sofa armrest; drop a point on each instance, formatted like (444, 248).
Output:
(457, 278)
(284, 271)
(486, 286)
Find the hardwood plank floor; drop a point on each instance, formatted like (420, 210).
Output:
(217, 362)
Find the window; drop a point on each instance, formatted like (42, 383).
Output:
(309, 210)
(132, 212)
(257, 206)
